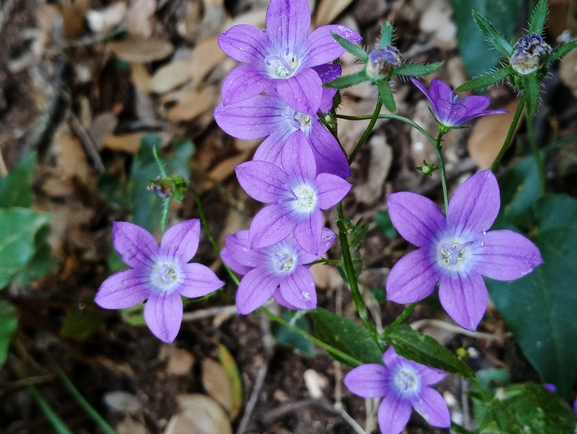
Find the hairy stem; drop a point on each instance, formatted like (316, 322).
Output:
(368, 130)
(442, 172)
(509, 134)
(536, 154)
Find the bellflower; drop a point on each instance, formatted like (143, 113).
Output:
(403, 384)
(282, 56)
(449, 110)
(297, 195)
(269, 115)
(277, 271)
(456, 251)
(159, 274)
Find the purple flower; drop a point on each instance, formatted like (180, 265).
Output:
(456, 251)
(159, 274)
(449, 110)
(282, 56)
(269, 115)
(403, 384)
(277, 271)
(296, 194)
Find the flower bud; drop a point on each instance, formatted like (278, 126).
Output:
(530, 51)
(382, 60)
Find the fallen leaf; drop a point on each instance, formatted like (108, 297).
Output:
(102, 125)
(198, 414)
(130, 143)
(180, 362)
(255, 18)
(141, 50)
(104, 20)
(328, 10)
(226, 168)
(215, 382)
(437, 20)
(568, 71)
(379, 166)
(73, 15)
(141, 77)
(205, 56)
(170, 76)
(141, 17)
(234, 380)
(193, 103)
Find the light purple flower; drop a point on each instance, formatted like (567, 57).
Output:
(296, 194)
(282, 56)
(269, 115)
(449, 110)
(277, 271)
(403, 384)
(159, 274)
(456, 251)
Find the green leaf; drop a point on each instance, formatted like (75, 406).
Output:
(537, 21)
(133, 315)
(386, 34)
(477, 54)
(18, 227)
(234, 379)
(410, 70)
(285, 335)
(351, 48)
(81, 324)
(412, 345)
(540, 308)
(484, 80)
(531, 94)
(562, 50)
(8, 324)
(385, 224)
(489, 380)
(16, 187)
(41, 263)
(491, 33)
(347, 80)
(386, 95)
(114, 191)
(346, 336)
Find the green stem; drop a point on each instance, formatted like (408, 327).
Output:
(332, 350)
(368, 130)
(352, 277)
(536, 154)
(400, 319)
(439, 150)
(159, 163)
(509, 134)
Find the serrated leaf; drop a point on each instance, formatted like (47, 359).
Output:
(346, 336)
(386, 96)
(8, 324)
(16, 187)
(347, 80)
(410, 70)
(540, 308)
(386, 34)
(285, 335)
(562, 50)
(494, 37)
(412, 345)
(531, 94)
(537, 21)
(351, 48)
(484, 80)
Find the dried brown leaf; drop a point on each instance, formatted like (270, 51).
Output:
(193, 103)
(170, 76)
(141, 17)
(568, 71)
(73, 15)
(255, 18)
(226, 168)
(106, 19)
(198, 414)
(141, 50)
(141, 77)
(130, 143)
(328, 10)
(180, 362)
(205, 56)
(216, 383)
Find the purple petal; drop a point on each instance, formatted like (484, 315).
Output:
(507, 255)
(367, 381)
(254, 290)
(243, 82)
(123, 289)
(245, 43)
(323, 48)
(550, 387)
(199, 281)
(271, 148)
(390, 356)
(277, 296)
(430, 375)
(308, 233)
(299, 289)
(329, 156)
(238, 247)
(232, 263)
(262, 181)
(464, 298)
(302, 91)
(331, 189)
(271, 225)
(288, 22)
(393, 414)
(475, 204)
(181, 240)
(412, 278)
(135, 245)
(163, 315)
(328, 72)
(423, 89)
(328, 237)
(450, 113)
(297, 158)
(439, 91)
(433, 408)
(417, 218)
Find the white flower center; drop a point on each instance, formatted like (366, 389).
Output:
(284, 261)
(283, 65)
(165, 276)
(305, 199)
(451, 254)
(303, 120)
(406, 381)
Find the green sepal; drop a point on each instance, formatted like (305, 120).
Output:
(562, 50)
(348, 80)
(484, 80)
(386, 95)
(410, 70)
(386, 34)
(531, 94)
(537, 21)
(492, 35)
(351, 48)
(412, 345)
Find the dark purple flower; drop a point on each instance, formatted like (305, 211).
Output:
(277, 271)
(404, 385)
(282, 56)
(269, 115)
(159, 274)
(458, 250)
(296, 194)
(449, 110)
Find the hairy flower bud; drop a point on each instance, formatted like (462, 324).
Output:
(530, 53)
(382, 60)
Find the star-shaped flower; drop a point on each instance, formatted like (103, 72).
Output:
(449, 110)
(297, 195)
(458, 250)
(159, 274)
(403, 385)
(277, 271)
(282, 56)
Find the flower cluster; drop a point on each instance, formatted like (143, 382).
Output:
(299, 169)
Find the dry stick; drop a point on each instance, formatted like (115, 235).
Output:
(207, 313)
(87, 143)
(452, 328)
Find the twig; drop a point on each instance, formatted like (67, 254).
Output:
(250, 405)
(87, 143)
(452, 328)
(348, 419)
(207, 313)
